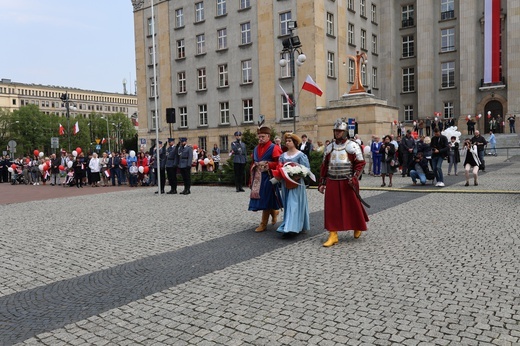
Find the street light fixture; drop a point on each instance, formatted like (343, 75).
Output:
(292, 46)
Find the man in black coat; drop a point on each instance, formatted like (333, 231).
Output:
(406, 146)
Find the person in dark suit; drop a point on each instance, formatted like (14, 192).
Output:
(239, 152)
(185, 159)
(306, 146)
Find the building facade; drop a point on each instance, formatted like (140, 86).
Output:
(217, 62)
(14, 95)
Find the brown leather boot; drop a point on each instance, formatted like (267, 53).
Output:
(274, 216)
(263, 224)
(333, 239)
(357, 234)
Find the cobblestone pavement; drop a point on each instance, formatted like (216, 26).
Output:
(438, 266)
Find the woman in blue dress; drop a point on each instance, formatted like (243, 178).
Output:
(294, 200)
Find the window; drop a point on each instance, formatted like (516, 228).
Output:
(247, 110)
(374, 78)
(285, 71)
(374, 44)
(203, 115)
(181, 49)
(364, 74)
(362, 8)
(448, 110)
(245, 4)
(408, 46)
(222, 39)
(285, 18)
(287, 109)
(150, 55)
(183, 115)
(447, 9)
(153, 89)
(223, 76)
(201, 44)
(224, 143)
(407, 15)
(181, 82)
(330, 24)
(408, 79)
(221, 7)
(202, 142)
(199, 12)
(224, 112)
(245, 33)
(351, 65)
(373, 10)
(447, 40)
(350, 5)
(247, 72)
(179, 18)
(331, 68)
(350, 33)
(150, 28)
(448, 74)
(201, 79)
(153, 120)
(408, 112)
(363, 39)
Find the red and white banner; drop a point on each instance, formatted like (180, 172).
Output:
(492, 41)
(311, 86)
(76, 127)
(62, 130)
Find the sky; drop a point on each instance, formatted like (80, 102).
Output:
(85, 44)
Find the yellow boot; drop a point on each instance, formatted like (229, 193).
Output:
(357, 234)
(263, 223)
(333, 239)
(274, 216)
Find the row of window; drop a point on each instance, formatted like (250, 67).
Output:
(447, 43)
(61, 105)
(447, 113)
(72, 96)
(199, 13)
(362, 9)
(407, 12)
(447, 76)
(363, 38)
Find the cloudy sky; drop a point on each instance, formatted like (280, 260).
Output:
(70, 43)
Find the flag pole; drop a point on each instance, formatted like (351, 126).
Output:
(156, 115)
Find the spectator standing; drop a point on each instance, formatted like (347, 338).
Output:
(376, 156)
(388, 164)
(114, 164)
(407, 146)
(55, 170)
(493, 125)
(453, 155)
(215, 153)
(133, 172)
(95, 168)
(471, 126)
(306, 146)
(421, 127)
(511, 120)
(103, 162)
(439, 145)
(239, 152)
(492, 143)
(428, 126)
(481, 143)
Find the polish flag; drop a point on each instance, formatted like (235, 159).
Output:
(311, 86)
(104, 140)
(107, 173)
(62, 130)
(76, 127)
(287, 96)
(492, 41)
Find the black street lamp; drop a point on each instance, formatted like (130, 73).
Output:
(66, 100)
(292, 47)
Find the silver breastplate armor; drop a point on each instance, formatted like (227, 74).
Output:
(339, 164)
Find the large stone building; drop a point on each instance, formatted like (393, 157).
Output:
(217, 62)
(14, 95)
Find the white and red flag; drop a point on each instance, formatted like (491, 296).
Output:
(311, 86)
(492, 41)
(286, 96)
(62, 130)
(104, 140)
(76, 127)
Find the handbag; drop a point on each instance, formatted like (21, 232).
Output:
(430, 175)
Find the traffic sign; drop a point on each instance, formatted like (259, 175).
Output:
(12, 143)
(143, 141)
(55, 142)
(98, 147)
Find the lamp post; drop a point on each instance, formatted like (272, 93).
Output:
(291, 46)
(108, 133)
(117, 128)
(66, 100)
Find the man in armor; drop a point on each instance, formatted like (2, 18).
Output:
(342, 165)
(263, 195)
(239, 152)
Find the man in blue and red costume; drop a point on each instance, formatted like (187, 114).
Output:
(264, 196)
(342, 165)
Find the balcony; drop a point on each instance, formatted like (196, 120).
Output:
(407, 22)
(447, 15)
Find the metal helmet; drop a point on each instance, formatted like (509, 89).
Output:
(341, 125)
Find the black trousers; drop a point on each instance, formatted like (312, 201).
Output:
(239, 169)
(163, 178)
(186, 177)
(172, 178)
